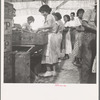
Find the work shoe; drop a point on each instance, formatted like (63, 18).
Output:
(77, 62)
(59, 60)
(48, 73)
(65, 57)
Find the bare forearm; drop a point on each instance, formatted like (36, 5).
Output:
(88, 26)
(80, 29)
(45, 27)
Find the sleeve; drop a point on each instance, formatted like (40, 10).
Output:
(87, 15)
(61, 27)
(50, 20)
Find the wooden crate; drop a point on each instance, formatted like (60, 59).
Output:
(35, 57)
(34, 38)
(41, 38)
(7, 42)
(19, 49)
(16, 37)
(8, 67)
(27, 38)
(22, 67)
(8, 10)
(7, 26)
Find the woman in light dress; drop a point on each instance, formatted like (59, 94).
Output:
(60, 29)
(68, 46)
(50, 55)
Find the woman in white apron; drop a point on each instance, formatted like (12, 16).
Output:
(68, 46)
(50, 55)
(60, 29)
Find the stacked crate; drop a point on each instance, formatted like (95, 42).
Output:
(8, 17)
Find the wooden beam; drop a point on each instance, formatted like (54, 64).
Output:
(44, 2)
(61, 4)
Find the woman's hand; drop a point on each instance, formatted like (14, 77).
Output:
(80, 29)
(36, 31)
(39, 29)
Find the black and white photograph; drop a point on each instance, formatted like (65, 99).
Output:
(48, 42)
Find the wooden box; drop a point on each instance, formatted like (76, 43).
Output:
(26, 48)
(22, 67)
(27, 38)
(8, 67)
(35, 57)
(8, 10)
(16, 37)
(41, 38)
(34, 38)
(7, 42)
(7, 26)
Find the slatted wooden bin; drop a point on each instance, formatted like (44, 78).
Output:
(8, 67)
(22, 67)
(22, 62)
(40, 38)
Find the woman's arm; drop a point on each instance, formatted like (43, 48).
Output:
(88, 26)
(80, 28)
(44, 27)
(48, 24)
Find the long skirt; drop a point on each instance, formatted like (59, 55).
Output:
(68, 45)
(78, 43)
(73, 36)
(51, 51)
(79, 52)
(58, 38)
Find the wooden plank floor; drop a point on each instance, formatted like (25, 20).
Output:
(66, 73)
(69, 73)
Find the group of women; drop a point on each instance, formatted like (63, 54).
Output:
(61, 37)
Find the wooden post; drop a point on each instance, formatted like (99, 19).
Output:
(61, 4)
(44, 2)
